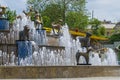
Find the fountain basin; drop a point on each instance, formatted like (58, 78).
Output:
(35, 72)
(4, 24)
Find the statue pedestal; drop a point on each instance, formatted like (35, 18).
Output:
(83, 64)
(24, 49)
(4, 24)
(52, 40)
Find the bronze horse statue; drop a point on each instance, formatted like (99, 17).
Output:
(84, 54)
(85, 42)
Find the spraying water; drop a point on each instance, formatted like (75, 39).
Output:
(46, 57)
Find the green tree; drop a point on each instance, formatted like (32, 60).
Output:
(55, 9)
(37, 4)
(10, 15)
(72, 5)
(46, 21)
(53, 12)
(115, 37)
(77, 20)
(95, 23)
(102, 30)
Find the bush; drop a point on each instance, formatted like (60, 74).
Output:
(115, 37)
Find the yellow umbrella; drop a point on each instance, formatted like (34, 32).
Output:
(79, 34)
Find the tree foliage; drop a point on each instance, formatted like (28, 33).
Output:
(10, 15)
(46, 21)
(77, 20)
(95, 24)
(53, 12)
(115, 37)
(102, 30)
(67, 10)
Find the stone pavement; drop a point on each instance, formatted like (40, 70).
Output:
(87, 78)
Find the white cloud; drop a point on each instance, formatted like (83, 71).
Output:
(105, 9)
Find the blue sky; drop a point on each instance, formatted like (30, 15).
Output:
(103, 9)
(18, 5)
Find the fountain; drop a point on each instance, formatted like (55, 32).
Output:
(35, 38)
(33, 50)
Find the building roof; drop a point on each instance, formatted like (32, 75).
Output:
(107, 26)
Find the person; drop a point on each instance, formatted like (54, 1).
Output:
(24, 35)
(57, 26)
(38, 20)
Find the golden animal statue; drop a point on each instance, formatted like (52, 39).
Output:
(38, 20)
(29, 13)
(57, 26)
(2, 12)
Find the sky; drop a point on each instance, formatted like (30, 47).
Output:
(103, 9)
(18, 5)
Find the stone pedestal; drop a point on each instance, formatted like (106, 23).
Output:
(24, 49)
(53, 40)
(4, 24)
